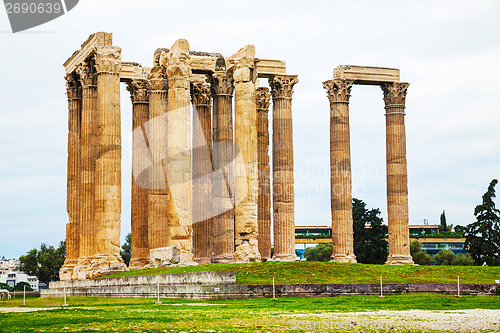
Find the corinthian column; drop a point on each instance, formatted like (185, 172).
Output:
(340, 163)
(247, 181)
(179, 148)
(73, 90)
(397, 178)
(283, 193)
(88, 77)
(202, 172)
(108, 164)
(264, 199)
(139, 206)
(156, 129)
(223, 182)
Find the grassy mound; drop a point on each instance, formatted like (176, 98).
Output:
(326, 273)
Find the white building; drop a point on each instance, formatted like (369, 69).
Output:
(7, 265)
(14, 277)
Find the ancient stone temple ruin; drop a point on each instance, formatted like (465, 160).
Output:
(200, 158)
(201, 175)
(339, 92)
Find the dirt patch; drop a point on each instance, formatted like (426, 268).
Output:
(7, 310)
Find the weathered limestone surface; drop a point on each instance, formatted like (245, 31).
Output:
(87, 50)
(232, 213)
(340, 164)
(202, 173)
(88, 80)
(139, 201)
(178, 162)
(165, 256)
(264, 199)
(74, 93)
(397, 178)
(156, 133)
(283, 191)
(246, 172)
(107, 258)
(223, 183)
(366, 74)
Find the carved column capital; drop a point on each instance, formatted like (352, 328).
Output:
(200, 94)
(222, 84)
(338, 90)
(108, 59)
(73, 89)
(263, 98)
(138, 89)
(157, 80)
(88, 76)
(395, 93)
(282, 85)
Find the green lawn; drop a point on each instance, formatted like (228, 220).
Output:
(265, 315)
(325, 272)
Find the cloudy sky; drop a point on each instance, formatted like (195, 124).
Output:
(448, 50)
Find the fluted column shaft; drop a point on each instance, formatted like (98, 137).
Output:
(397, 177)
(283, 191)
(73, 91)
(202, 172)
(156, 129)
(264, 199)
(223, 182)
(139, 200)
(179, 148)
(246, 170)
(340, 164)
(108, 162)
(88, 155)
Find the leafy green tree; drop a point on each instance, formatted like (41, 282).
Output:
(444, 257)
(126, 251)
(370, 246)
(419, 257)
(447, 257)
(6, 287)
(20, 286)
(321, 252)
(463, 260)
(44, 263)
(482, 238)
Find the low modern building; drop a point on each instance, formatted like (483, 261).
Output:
(428, 235)
(310, 236)
(423, 229)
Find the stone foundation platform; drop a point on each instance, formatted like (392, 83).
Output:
(222, 285)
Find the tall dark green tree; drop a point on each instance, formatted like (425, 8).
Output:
(443, 226)
(482, 238)
(126, 251)
(370, 246)
(44, 263)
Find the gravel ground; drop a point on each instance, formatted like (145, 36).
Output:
(443, 321)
